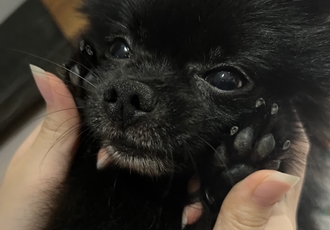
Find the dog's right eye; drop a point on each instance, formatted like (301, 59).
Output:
(119, 49)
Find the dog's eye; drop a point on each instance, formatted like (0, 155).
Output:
(225, 80)
(119, 49)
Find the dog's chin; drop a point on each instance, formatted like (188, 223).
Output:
(138, 161)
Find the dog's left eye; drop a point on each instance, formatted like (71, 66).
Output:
(225, 80)
(119, 49)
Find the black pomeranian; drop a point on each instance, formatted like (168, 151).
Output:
(172, 89)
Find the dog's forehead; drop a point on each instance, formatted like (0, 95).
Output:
(186, 25)
(195, 28)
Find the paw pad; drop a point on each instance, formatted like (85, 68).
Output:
(253, 147)
(243, 141)
(264, 147)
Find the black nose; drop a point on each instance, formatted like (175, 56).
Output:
(127, 101)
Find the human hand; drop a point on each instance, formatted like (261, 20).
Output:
(265, 200)
(41, 163)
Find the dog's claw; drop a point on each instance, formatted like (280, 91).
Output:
(234, 130)
(82, 45)
(286, 145)
(260, 102)
(274, 109)
(89, 50)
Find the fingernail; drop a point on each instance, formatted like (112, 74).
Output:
(273, 188)
(40, 77)
(191, 214)
(184, 221)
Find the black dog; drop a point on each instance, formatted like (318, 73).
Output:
(177, 88)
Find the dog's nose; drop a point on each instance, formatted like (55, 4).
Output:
(127, 101)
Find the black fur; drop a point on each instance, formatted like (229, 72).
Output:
(281, 50)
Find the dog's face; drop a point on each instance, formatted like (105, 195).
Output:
(168, 79)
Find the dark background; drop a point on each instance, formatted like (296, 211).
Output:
(29, 30)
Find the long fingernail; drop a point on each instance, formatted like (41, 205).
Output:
(40, 77)
(273, 188)
(184, 221)
(191, 214)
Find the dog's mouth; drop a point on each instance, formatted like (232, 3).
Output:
(134, 159)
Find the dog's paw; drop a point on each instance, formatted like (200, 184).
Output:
(260, 143)
(254, 147)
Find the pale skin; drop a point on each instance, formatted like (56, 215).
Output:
(264, 200)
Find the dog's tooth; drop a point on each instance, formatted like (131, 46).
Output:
(286, 145)
(264, 147)
(274, 109)
(234, 130)
(243, 141)
(260, 102)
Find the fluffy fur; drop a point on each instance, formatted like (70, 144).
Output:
(281, 51)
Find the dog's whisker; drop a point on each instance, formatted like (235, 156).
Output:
(68, 132)
(89, 69)
(54, 63)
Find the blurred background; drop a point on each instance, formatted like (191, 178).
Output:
(30, 30)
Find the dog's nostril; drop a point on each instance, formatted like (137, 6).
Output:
(135, 101)
(110, 96)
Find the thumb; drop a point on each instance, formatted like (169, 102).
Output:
(250, 203)
(56, 142)
(41, 164)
